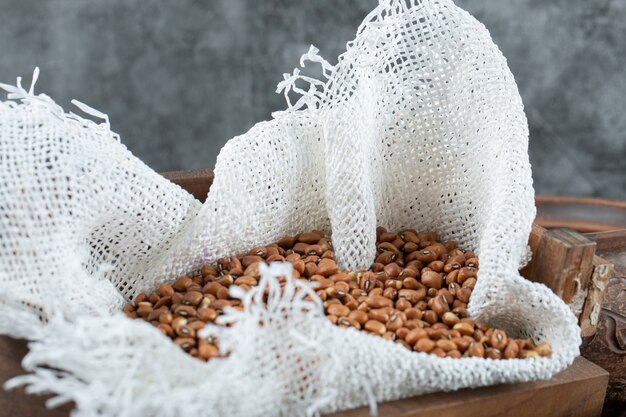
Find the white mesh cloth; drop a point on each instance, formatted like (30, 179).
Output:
(419, 125)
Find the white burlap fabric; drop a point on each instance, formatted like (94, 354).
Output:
(419, 125)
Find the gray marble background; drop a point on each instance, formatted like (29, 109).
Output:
(179, 78)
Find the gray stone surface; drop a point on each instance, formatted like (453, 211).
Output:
(179, 78)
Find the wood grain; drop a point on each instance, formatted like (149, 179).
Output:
(603, 271)
(607, 348)
(17, 403)
(562, 260)
(196, 181)
(575, 392)
(582, 214)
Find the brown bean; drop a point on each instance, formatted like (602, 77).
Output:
(454, 354)
(396, 284)
(461, 312)
(192, 298)
(493, 353)
(367, 280)
(464, 294)
(144, 309)
(426, 256)
(166, 318)
(374, 326)
(327, 267)
(185, 311)
(211, 288)
(409, 236)
(469, 283)
(341, 277)
(432, 279)
(391, 336)
(156, 313)
(376, 292)
(286, 242)
(409, 272)
(309, 237)
(207, 352)
(182, 283)
(246, 280)
(446, 294)
(209, 271)
(185, 343)
(436, 266)
(472, 262)
(178, 321)
(465, 273)
(402, 304)
(464, 328)
(166, 329)
(387, 236)
(390, 293)
(461, 343)
(300, 248)
(430, 316)
(413, 313)
(437, 351)
(357, 292)
(440, 306)
(248, 260)
(207, 314)
(396, 321)
(186, 331)
(476, 350)
(414, 335)
(410, 283)
(453, 287)
(451, 277)
(528, 354)
(360, 316)
(386, 257)
(543, 349)
(165, 301)
(165, 290)
(414, 323)
(222, 293)
(338, 310)
(348, 322)
(392, 270)
(379, 314)
(314, 250)
(498, 339)
(402, 332)
(512, 350)
(220, 304)
(450, 319)
(424, 345)
(310, 269)
(446, 345)
(197, 324)
(378, 301)
(413, 296)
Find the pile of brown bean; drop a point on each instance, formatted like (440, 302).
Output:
(415, 294)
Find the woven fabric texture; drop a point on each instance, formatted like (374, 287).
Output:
(418, 125)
